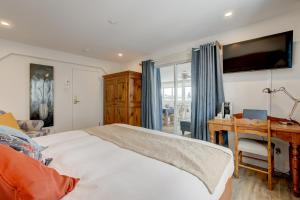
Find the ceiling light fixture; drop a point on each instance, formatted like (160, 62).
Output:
(120, 54)
(112, 22)
(86, 50)
(228, 14)
(5, 23)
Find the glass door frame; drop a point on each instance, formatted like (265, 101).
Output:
(175, 91)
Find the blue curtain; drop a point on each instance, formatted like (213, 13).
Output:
(151, 96)
(207, 88)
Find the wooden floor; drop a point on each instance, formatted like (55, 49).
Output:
(253, 186)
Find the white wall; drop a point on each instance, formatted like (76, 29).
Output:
(245, 89)
(14, 79)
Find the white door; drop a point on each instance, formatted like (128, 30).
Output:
(87, 98)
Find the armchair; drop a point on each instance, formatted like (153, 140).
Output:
(33, 128)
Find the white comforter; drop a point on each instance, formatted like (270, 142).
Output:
(108, 172)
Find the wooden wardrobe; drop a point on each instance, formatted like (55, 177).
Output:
(122, 98)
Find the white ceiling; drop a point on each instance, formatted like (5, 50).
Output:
(144, 26)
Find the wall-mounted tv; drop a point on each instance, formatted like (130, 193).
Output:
(269, 52)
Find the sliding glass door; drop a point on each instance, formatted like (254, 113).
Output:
(176, 93)
(168, 98)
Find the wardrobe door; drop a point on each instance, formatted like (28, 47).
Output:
(109, 101)
(121, 114)
(121, 91)
(121, 109)
(135, 100)
(109, 86)
(109, 115)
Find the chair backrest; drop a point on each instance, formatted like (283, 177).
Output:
(255, 114)
(252, 126)
(256, 127)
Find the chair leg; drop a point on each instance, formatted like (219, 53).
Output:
(241, 157)
(270, 181)
(270, 171)
(237, 173)
(273, 171)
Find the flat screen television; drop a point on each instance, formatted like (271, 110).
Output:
(269, 52)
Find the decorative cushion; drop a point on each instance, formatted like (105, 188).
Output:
(8, 119)
(253, 146)
(20, 145)
(20, 134)
(22, 177)
(19, 141)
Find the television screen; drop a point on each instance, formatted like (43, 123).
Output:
(270, 52)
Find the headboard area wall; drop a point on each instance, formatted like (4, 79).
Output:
(15, 59)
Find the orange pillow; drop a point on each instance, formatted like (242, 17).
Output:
(22, 177)
(8, 119)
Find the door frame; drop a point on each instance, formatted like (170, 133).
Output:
(175, 92)
(100, 78)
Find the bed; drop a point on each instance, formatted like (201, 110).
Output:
(109, 172)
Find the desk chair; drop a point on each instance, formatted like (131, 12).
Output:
(254, 147)
(252, 114)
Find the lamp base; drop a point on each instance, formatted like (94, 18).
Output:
(289, 123)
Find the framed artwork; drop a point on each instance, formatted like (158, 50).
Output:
(42, 94)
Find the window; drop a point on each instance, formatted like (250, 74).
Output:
(188, 93)
(168, 93)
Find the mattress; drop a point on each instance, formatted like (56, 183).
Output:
(109, 172)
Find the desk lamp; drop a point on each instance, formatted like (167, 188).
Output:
(296, 101)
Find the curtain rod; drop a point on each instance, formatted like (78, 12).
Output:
(196, 49)
(140, 64)
(217, 43)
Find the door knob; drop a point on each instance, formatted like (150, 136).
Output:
(76, 101)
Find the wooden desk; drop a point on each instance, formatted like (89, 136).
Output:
(289, 133)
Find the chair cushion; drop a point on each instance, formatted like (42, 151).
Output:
(22, 177)
(31, 125)
(8, 119)
(34, 134)
(253, 146)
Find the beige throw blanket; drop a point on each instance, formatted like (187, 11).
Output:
(203, 161)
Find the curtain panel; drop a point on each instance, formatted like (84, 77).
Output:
(151, 96)
(207, 88)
